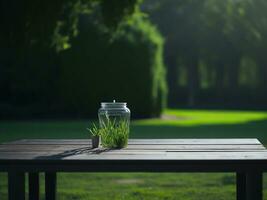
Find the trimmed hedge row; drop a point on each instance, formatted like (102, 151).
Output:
(126, 66)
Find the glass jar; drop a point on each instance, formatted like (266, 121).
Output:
(114, 120)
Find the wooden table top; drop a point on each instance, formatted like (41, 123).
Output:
(164, 155)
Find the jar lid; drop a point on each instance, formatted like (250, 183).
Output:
(113, 104)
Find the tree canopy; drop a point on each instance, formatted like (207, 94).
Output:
(213, 47)
(63, 58)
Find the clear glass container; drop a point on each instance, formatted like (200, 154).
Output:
(114, 120)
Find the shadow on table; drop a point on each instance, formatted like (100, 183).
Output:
(77, 151)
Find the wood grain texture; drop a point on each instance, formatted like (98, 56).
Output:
(242, 141)
(131, 147)
(153, 154)
(242, 156)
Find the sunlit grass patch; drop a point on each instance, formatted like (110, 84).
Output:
(175, 117)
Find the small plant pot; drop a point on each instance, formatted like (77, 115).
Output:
(95, 141)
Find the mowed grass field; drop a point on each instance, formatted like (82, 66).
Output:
(152, 186)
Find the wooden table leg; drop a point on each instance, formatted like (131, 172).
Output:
(249, 186)
(50, 185)
(16, 185)
(240, 186)
(34, 186)
(254, 186)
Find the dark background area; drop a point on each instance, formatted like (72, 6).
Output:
(62, 59)
(215, 52)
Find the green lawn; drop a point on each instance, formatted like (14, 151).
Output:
(175, 124)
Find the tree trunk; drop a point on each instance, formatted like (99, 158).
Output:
(233, 74)
(172, 79)
(192, 79)
(220, 77)
(262, 64)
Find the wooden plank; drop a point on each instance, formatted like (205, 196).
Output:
(142, 155)
(124, 151)
(50, 185)
(34, 186)
(86, 148)
(89, 151)
(16, 185)
(161, 155)
(142, 141)
(174, 156)
(16, 142)
(14, 148)
(177, 147)
(51, 141)
(196, 141)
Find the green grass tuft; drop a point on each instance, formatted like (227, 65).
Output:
(114, 134)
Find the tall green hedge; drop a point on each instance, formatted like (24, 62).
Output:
(126, 65)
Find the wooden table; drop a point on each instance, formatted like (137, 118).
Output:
(246, 157)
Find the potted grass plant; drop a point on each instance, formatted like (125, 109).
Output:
(94, 136)
(112, 134)
(113, 129)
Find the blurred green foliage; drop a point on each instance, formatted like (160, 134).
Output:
(66, 62)
(66, 57)
(214, 51)
(28, 22)
(125, 65)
